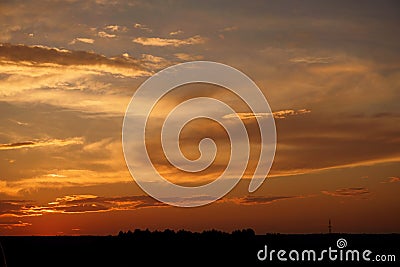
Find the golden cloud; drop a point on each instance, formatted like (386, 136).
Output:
(116, 28)
(155, 41)
(45, 62)
(39, 56)
(63, 179)
(152, 62)
(82, 40)
(175, 32)
(281, 114)
(103, 34)
(42, 69)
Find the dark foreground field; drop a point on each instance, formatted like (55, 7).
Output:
(168, 248)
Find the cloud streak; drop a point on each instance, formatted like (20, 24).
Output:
(42, 143)
(63, 179)
(115, 28)
(103, 34)
(76, 204)
(348, 192)
(50, 74)
(229, 29)
(50, 57)
(82, 40)
(311, 60)
(12, 224)
(254, 200)
(176, 32)
(156, 41)
(281, 114)
(187, 57)
(152, 62)
(392, 179)
(91, 203)
(142, 27)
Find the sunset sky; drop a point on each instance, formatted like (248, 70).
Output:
(330, 72)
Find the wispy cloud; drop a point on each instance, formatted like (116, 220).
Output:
(333, 166)
(12, 224)
(116, 28)
(38, 60)
(176, 32)
(348, 192)
(142, 27)
(345, 67)
(20, 123)
(63, 179)
(392, 179)
(103, 34)
(76, 204)
(7, 32)
(42, 143)
(229, 29)
(152, 62)
(14, 208)
(155, 41)
(66, 78)
(254, 200)
(82, 40)
(281, 114)
(311, 60)
(93, 203)
(187, 57)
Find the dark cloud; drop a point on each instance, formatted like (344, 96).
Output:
(12, 224)
(250, 200)
(43, 54)
(41, 143)
(91, 203)
(97, 203)
(348, 192)
(12, 145)
(76, 204)
(86, 207)
(15, 207)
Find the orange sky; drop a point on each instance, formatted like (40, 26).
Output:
(330, 72)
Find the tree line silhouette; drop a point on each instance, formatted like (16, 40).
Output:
(206, 234)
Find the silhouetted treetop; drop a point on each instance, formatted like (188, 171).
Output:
(170, 234)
